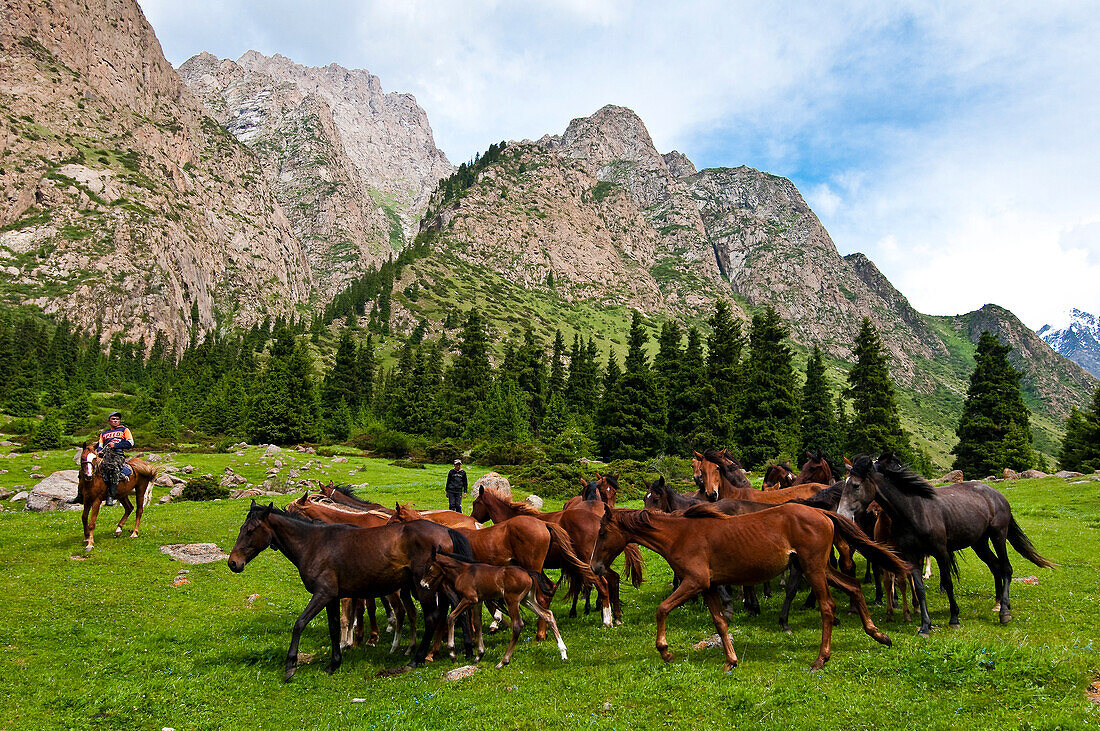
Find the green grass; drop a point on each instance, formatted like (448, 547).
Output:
(109, 642)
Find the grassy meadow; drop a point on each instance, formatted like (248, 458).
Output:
(117, 639)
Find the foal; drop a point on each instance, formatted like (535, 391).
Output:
(472, 583)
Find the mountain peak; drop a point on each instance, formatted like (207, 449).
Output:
(611, 134)
(1077, 337)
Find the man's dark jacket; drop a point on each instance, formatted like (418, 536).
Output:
(456, 482)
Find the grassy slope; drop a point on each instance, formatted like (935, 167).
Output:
(109, 642)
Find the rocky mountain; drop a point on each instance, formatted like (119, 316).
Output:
(123, 203)
(1078, 340)
(355, 128)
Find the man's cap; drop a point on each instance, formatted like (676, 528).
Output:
(113, 414)
(458, 461)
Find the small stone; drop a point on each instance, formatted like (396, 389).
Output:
(458, 673)
(188, 469)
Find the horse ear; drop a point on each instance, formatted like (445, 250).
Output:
(584, 483)
(660, 481)
(599, 476)
(697, 455)
(847, 463)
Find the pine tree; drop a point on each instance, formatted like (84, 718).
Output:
(556, 382)
(630, 422)
(723, 368)
(47, 433)
(874, 426)
(1081, 446)
(693, 410)
(468, 380)
(819, 431)
(993, 431)
(768, 424)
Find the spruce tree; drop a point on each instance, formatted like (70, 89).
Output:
(47, 433)
(630, 422)
(768, 424)
(818, 423)
(993, 431)
(723, 368)
(555, 384)
(873, 426)
(1081, 446)
(693, 418)
(469, 378)
(341, 382)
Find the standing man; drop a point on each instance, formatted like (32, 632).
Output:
(456, 486)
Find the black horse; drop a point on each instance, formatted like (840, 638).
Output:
(938, 522)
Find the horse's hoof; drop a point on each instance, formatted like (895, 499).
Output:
(118, 532)
(290, 673)
(572, 614)
(818, 664)
(134, 534)
(618, 623)
(330, 669)
(501, 664)
(88, 548)
(1006, 618)
(924, 633)
(666, 655)
(731, 665)
(954, 625)
(883, 638)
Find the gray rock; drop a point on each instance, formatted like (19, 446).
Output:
(1011, 474)
(194, 552)
(1067, 473)
(339, 460)
(21, 495)
(953, 476)
(176, 491)
(188, 469)
(272, 449)
(1033, 474)
(534, 501)
(53, 492)
(494, 482)
(165, 499)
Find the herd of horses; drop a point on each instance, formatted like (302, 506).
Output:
(726, 533)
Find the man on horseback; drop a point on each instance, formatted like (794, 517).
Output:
(113, 441)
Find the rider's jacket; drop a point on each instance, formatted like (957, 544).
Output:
(119, 435)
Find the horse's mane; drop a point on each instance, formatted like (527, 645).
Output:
(633, 520)
(341, 488)
(702, 510)
(329, 504)
(828, 499)
(904, 479)
(522, 508)
(257, 509)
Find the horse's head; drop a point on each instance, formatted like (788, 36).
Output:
(434, 572)
(610, 542)
(89, 460)
(608, 485)
(404, 514)
(706, 475)
(479, 511)
(656, 496)
(859, 489)
(255, 536)
(589, 490)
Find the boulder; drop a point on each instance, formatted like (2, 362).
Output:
(54, 492)
(272, 449)
(534, 501)
(277, 462)
(163, 480)
(459, 673)
(249, 493)
(5, 494)
(194, 552)
(953, 476)
(176, 491)
(1011, 474)
(1067, 473)
(339, 460)
(188, 469)
(165, 499)
(1033, 474)
(494, 482)
(21, 495)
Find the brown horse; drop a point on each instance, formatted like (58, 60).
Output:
(337, 561)
(522, 541)
(583, 525)
(604, 489)
(342, 494)
(815, 469)
(321, 508)
(720, 477)
(92, 491)
(473, 583)
(778, 476)
(706, 548)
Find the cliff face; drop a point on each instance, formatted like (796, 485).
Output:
(386, 136)
(331, 209)
(123, 202)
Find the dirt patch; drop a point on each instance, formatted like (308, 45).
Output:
(1093, 691)
(194, 552)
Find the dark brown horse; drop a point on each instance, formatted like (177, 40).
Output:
(778, 476)
(337, 561)
(605, 488)
(92, 491)
(706, 548)
(938, 522)
(583, 525)
(720, 476)
(470, 584)
(342, 494)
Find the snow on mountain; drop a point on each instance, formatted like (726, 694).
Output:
(1078, 339)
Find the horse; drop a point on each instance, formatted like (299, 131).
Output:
(938, 522)
(522, 541)
(884, 533)
(319, 507)
(472, 583)
(778, 476)
(91, 488)
(604, 489)
(342, 494)
(707, 548)
(816, 468)
(720, 476)
(337, 561)
(582, 524)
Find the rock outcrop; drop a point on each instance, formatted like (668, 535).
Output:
(124, 203)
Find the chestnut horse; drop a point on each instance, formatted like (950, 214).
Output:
(92, 491)
(582, 524)
(815, 469)
(706, 548)
(522, 541)
(604, 489)
(470, 584)
(720, 476)
(337, 561)
(342, 494)
(778, 476)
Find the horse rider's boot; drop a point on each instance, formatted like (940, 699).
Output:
(77, 500)
(112, 488)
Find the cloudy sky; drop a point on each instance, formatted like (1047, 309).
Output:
(956, 144)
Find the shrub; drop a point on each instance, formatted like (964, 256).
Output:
(569, 446)
(386, 442)
(224, 445)
(407, 464)
(549, 479)
(203, 488)
(631, 475)
(444, 452)
(47, 433)
(20, 426)
(506, 453)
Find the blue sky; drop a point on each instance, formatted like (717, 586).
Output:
(955, 144)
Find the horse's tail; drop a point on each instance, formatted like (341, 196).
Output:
(143, 469)
(572, 563)
(1023, 546)
(876, 553)
(543, 586)
(460, 545)
(632, 558)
